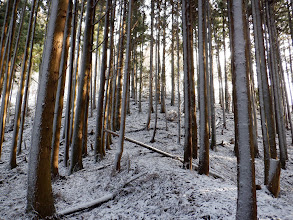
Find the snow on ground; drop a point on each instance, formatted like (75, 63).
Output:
(164, 191)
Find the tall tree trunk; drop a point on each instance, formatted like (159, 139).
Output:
(178, 76)
(246, 201)
(141, 69)
(276, 85)
(187, 89)
(120, 63)
(75, 74)
(60, 94)
(118, 155)
(109, 87)
(71, 78)
(99, 150)
(28, 45)
(97, 55)
(172, 56)
(261, 71)
(203, 108)
(5, 27)
(39, 192)
(212, 93)
(221, 90)
(227, 96)
(85, 69)
(7, 74)
(150, 109)
(115, 71)
(163, 81)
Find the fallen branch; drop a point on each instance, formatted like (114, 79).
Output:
(97, 202)
(147, 146)
(162, 152)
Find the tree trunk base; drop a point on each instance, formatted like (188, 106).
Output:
(274, 177)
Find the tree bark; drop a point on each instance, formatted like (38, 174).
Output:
(71, 80)
(203, 108)
(76, 153)
(99, 149)
(246, 201)
(28, 45)
(39, 192)
(150, 109)
(7, 73)
(118, 155)
(187, 90)
(5, 28)
(60, 94)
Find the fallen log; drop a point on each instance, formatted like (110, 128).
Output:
(161, 152)
(97, 202)
(147, 146)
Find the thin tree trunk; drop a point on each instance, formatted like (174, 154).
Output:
(227, 96)
(203, 108)
(140, 71)
(75, 74)
(82, 95)
(261, 71)
(172, 56)
(109, 87)
(71, 78)
(120, 72)
(115, 71)
(187, 90)
(150, 109)
(8, 73)
(221, 91)
(178, 76)
(99, 150)
(96, 62)
(276, 86)
(5, 29)
(60, 94)
(212, 94)
(157, 72)
(118, 155)
(163, 81)
(28, 45)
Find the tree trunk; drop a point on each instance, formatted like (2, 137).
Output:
(150, 109)
(203, 108)
(276, 85)
(118, 155)
(163, 81)
(28, 45)
(187, 89)
(157, 72)
(39, 192)
(261, 70)
(246, 201)
(227, 96)
(60, 94)
(99, 150)
(71, 80)
(178, 76)
(82, 95)
(212, 93)
(8, 73)
(5, 28)
(172, 56)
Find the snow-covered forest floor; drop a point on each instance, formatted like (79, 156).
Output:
(164, 191)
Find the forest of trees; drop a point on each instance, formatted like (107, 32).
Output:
(92, 57)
